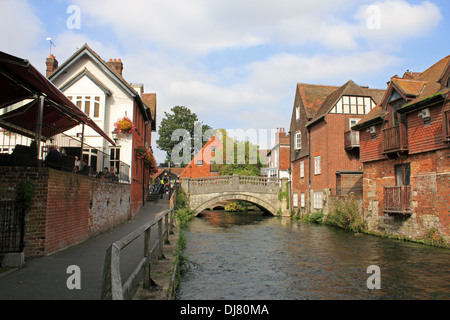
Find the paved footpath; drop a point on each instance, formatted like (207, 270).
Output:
(45, 278)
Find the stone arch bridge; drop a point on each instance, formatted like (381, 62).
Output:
(263, 192)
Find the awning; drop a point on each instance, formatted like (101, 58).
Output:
(19, 81)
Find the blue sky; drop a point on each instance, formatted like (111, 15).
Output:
(235, 63)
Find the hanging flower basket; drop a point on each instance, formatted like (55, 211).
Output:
(149, 160)
(124, 126)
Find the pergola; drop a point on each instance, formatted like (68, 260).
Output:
(46, 107)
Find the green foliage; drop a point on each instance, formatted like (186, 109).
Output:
(316, 217)
(434, 238)
(182, 211)
(180, 117)
(25, 193)
(237, 206)
(284, 195)
(346, 215)
(242, 160)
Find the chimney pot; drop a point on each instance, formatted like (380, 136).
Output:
(116, 65)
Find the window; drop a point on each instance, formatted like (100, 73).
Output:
(317, 169)
(297, 112)
(295, 200)
(200, 163)
(318, 200)
(89, 105)
(402, 174)
(114, 159)
(302, 169)
(302, 200)
(298, 141)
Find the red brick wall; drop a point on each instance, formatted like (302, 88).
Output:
(193, 170)
(139, 177)
(67, 208)
(327, 140)
(430, 185)
(300, 185)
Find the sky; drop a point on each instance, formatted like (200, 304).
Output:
(235, 63)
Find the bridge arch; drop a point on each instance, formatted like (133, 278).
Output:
(260, 203)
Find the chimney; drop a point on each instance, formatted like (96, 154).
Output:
(116, 65)
(52, 65)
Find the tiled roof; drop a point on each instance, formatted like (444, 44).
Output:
(431, 77)
(410, 88)
(348, 89)
(419, 87)
(149, 100)
(313, 96)
(375, 115)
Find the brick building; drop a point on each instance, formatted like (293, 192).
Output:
(324, 151)
(405, 150)
(278, 158)
(202, 165)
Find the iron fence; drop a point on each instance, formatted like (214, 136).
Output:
(12, 222)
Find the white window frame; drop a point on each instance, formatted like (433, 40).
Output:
(317, 165)
(80, 101)
(295, 200)
(298, 141)
(302, 200)
(297, 112)
(302, 169)
(199, 163)
(318, 200)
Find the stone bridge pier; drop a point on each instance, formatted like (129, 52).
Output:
(263, 192)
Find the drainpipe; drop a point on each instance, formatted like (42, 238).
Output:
(143, 167)
(309, 168)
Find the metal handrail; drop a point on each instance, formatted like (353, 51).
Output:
(112, 288)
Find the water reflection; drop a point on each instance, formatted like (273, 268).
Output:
(251, 256)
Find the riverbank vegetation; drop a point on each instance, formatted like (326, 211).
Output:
(345, 214)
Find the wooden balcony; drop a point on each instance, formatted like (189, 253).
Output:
(351, 139)
(395, 139)
(446, 125)
(397, 199)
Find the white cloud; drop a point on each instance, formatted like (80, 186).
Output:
(388, 23)
(20, 28)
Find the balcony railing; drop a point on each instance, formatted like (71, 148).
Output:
(351, 139)
(395, 139)
(446, 125)
(15, 151)
(397, 199)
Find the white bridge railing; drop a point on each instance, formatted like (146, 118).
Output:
(231, 183)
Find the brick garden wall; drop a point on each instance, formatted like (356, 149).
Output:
(67, 208)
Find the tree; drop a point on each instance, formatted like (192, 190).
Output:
(242, 159)
(180, 129)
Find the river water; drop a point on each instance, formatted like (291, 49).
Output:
(254, 257)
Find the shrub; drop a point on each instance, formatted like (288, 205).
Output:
(25, 193)
(316, 217)
(345, 214)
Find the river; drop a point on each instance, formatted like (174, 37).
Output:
(254, 257)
